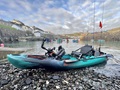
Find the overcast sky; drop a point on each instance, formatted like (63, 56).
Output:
(63, 16)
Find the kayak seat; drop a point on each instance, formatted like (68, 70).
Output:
(86, 50)
(60, 53)
(76, 54)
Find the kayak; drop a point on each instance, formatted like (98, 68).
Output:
(85, 56)
(65, 63)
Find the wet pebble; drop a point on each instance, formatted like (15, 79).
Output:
(4, 82)
(28, 81)
(55, 77)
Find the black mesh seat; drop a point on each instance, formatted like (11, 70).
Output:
(85, 50)
(60, 53)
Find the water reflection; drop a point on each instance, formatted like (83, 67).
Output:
(20, 44)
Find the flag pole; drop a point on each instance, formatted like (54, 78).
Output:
(100, 25)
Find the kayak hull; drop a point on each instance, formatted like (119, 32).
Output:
(67, 62)
(18, 61)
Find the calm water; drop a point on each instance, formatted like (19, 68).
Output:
(112, 65)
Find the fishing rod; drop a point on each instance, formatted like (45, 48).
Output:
(94, 24)
(87, 36)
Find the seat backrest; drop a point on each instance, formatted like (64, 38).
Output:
(60, 53)
(85, 49)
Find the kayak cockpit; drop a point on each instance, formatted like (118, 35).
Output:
(40, 57)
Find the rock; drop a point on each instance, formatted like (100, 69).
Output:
(34, 87)
(3, 82)
(74, 88)
(47, 82)
(55, 77)
(38, 88)
(16, 86)
(22, 82)
(93, 88)
(16, 80)
(28, 81)
(65, 82)
(96, 84)
(31, 88)
(57, 87)
(41, 81)
(25, 87)
(69, 88)
(76, 82)
(49, 77)
(80, 87)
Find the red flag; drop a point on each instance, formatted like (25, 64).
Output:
(100, 24)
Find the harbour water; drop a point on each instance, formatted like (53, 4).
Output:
(111, 68)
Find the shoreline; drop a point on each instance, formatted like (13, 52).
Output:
(6, 50)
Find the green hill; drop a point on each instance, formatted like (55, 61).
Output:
(7, 27)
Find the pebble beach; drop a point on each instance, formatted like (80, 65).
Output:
(12, 78)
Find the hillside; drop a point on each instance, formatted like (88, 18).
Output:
(6, 27)
(115, 30)
(75, 35)
(113, 34)
(15, 29)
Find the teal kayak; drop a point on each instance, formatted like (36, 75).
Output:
(85, 56)
(65, 63)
